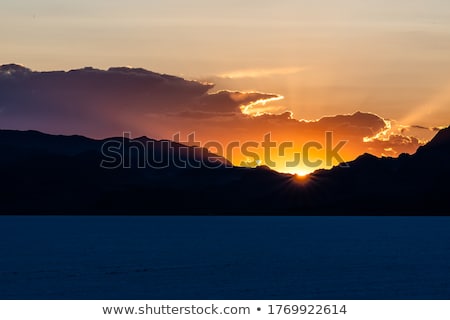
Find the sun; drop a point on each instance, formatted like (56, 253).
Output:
(301, 173)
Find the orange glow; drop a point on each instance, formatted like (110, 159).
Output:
(301, 173)
(285, 129)
(301, 179)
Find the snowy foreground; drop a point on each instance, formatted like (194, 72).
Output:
(91, 257)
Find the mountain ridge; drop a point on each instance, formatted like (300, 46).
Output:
(62, 175)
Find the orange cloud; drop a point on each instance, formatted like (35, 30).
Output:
(99, 103)
(258, 73)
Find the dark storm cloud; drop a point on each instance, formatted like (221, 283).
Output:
(99, 102)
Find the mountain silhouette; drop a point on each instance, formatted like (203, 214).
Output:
(409, 184)
(49, 174)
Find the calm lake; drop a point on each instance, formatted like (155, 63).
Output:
(92, 257)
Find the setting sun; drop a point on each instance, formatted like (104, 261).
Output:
(301, 173)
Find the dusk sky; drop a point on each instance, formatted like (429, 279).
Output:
(325, 58)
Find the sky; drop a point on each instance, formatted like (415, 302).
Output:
(321, 58)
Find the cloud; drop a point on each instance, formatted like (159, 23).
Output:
(259, 73)
(102, 103)
(426, 128)
(394, 145)
(227, 101)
